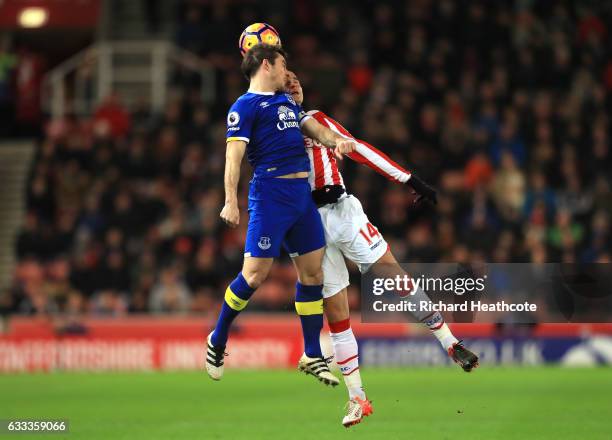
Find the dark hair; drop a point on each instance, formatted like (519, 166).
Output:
(256, 55)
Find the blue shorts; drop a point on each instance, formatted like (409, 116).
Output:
(282, 212)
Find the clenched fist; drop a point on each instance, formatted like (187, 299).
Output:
(230, 214)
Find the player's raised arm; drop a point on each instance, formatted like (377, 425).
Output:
(374, 158)
(233, 158)
(313, 129)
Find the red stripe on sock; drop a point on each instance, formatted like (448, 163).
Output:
(340, 326)
(438, 327)
(351, 372)
(346, 360)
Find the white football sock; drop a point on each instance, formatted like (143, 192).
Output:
(347, 358)
(440, 330)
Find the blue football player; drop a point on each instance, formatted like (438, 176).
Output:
(267, 124)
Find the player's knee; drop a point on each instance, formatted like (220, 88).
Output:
(336, 314)
(255, 278)
(312, 277)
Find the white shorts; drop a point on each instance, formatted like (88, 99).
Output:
(348, 233)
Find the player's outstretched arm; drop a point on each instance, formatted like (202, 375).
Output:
(381, 163)
(315, 130)
(233, 158)
(365, 153)
(374, 158)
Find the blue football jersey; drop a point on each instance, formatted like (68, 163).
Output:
(270, 125)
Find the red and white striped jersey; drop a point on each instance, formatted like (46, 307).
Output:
(323, 165)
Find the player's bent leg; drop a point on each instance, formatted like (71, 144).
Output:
(309, 306)
(237, 295)
(305, 242)
(387, 266)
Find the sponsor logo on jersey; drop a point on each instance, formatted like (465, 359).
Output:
(264, 104)
(233, 118)
(375, 245)
(287, 118)
(264, 243)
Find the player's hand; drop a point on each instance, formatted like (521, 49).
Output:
(230, 214)
(423, 190)
(344, 146)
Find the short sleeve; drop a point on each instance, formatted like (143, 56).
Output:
(303, 115)
(239, 122)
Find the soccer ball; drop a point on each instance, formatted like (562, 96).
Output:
(257, 33)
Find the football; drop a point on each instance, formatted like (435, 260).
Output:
(257, 33)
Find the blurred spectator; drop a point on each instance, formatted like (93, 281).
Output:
(111, 118)
(478, 172)
(29, 74)
(8, 60)
(539, 192)
(169, 294)
(508, 187)
(108, 303)
(190, 32)
(565, 234)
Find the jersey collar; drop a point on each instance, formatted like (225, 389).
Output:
(260, 93)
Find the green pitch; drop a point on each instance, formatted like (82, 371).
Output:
(441, 403)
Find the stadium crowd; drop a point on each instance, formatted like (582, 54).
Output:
(503, 106)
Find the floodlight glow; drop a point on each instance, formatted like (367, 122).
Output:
(33, 17)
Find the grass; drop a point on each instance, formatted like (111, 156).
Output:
(433, 403)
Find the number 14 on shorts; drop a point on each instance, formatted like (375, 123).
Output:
(371, 233)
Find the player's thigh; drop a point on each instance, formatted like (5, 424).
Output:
(360, 241)
(336, 307)
(255, 270)
(335, 272)
(306, 234)
(270, 217)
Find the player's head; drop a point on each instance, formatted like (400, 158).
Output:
(267, 61)
(293, 87)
